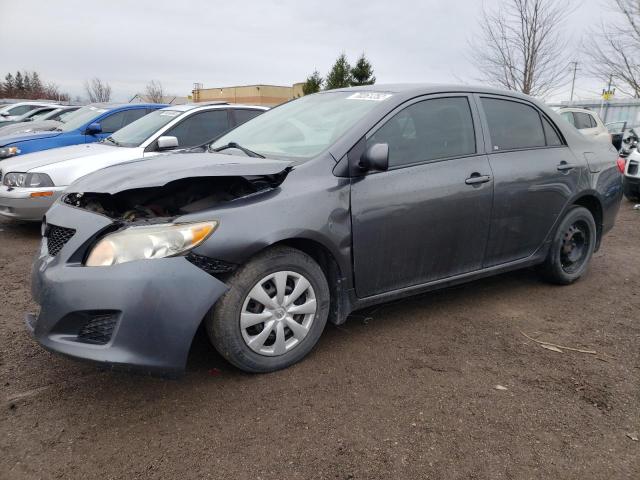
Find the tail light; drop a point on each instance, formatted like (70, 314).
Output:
(621, 162)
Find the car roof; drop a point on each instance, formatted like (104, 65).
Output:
(111, 106)
(210, 105)
(575, 109)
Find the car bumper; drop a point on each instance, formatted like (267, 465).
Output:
(140, 315)
(17, 203)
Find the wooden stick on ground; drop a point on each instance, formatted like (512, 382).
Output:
(541, 342)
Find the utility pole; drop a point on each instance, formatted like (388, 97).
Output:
(573, 82)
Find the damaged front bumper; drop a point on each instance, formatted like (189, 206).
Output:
(142, 314)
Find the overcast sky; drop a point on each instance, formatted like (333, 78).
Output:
(128, 43)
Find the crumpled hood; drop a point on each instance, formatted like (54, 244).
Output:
(30, 161)
(25, 137)
(160, 170)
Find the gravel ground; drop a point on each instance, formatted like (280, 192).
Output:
(405, 390)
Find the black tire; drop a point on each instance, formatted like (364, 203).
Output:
(223, 321)
(576, 228)
(631, 192)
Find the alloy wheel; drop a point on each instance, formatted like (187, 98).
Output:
(277, 313)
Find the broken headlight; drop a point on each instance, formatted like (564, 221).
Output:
(148, 242)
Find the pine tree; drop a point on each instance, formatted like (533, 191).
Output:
(312, 84)
(362, 73)
(8, 86)
(340, 74)
(27, 85)
(19, 84)
(36, 85)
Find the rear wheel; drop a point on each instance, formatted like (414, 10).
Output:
(572, 247)
(274, 312)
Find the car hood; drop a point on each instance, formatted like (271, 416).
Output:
(30, 161)
(29, 127)
(161, 170)
(25, 137)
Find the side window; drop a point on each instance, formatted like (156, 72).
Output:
(199, 128)
(244, 115)
(22, 109)
(583, 120)
(568, 116)
(133, 115)
(113, 122)
(428, 130)
(512, 125)
(594, 124)
(553, 139)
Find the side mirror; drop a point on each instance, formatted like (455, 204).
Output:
(375, 157)
(93, 128)
(167, 142)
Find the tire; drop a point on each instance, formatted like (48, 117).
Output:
(572, 247)
(230, 323)
(632, 194)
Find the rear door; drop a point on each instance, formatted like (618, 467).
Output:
(427, 217)
(535, 174)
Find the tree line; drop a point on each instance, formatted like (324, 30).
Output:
(341, 75)
(28, 85)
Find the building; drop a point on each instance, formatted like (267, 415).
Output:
(266, 95)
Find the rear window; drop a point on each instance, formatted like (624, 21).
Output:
(513, 125)
(583, 120)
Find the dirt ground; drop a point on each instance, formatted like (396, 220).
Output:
(406, 390)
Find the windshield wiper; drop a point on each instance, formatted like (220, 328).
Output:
(248, 152)
(115, 142)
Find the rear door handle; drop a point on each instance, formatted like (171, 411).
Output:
(476, 178)
(564, 166)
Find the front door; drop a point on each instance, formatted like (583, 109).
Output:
(427, 217)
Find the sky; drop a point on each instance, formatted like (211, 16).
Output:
(242, 42)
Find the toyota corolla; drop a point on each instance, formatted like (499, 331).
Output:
(327, 204)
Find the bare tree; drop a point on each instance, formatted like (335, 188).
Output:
(154, 92)
(97, 90)
(521, 46)
(614, 49)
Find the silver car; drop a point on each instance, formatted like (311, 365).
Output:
(31, 183)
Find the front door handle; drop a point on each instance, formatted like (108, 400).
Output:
(476, 179)
(564, 166)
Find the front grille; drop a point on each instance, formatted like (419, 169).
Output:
(210, 265)
(633, 168)
(98, 329)
(57, 237)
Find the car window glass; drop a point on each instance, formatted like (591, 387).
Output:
(244, 115)
(21, 109)
(594, 124)
(113, 122)
(133, 115)
(512, 125)
(553, 139)
(568, 116)
(428, 130)
(200, 128)
(583, 120)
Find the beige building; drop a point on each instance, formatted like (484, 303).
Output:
(267, 95)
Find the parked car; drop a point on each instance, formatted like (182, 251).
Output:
(31, 183)
(25, 117)
(587, 122)
(13, 110)
(42, 122)
(321, 206)
(88, 125)
(630, 168)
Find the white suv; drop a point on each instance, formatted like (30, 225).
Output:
(587, 122)
(30, 183)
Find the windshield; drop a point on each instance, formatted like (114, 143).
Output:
(303, 128)
(80, 117)
(134, 134)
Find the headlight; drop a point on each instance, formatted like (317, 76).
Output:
(7, 152)
(27, 180)
(147, 242)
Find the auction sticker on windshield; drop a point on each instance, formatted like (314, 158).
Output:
(372, 96)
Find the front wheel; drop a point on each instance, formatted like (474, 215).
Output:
(572, 247)
(273, 313)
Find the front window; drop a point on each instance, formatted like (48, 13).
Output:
(81, 117)
(303, 128)
(134, 134)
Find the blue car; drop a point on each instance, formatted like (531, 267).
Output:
(87, 125)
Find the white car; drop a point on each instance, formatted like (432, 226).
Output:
(15, 110)
(30, 183)
(587, 122)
